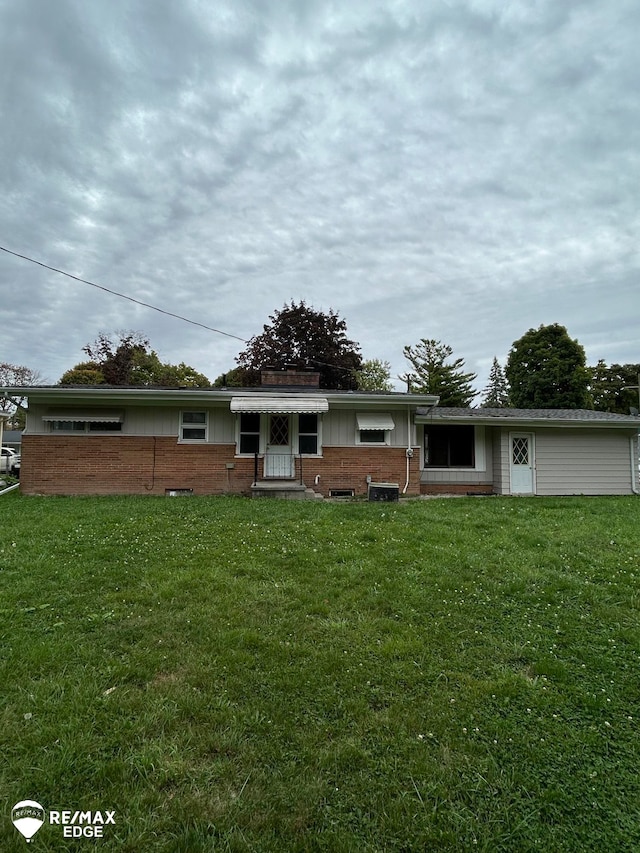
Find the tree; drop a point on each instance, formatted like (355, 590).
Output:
(432, 375)
(237, 377)
(546, 369)
(16, 375)
(301, 337)
(496, 394)
(129, 361)
(84, 373)
(612, 388)
(374, 375)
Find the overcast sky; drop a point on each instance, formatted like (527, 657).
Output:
(454, 169)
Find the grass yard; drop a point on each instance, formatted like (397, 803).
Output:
(236, 675)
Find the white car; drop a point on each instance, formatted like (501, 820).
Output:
(9, 461)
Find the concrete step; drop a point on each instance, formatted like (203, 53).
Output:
(283, 489)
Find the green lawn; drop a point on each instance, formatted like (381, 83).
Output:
(236, 675)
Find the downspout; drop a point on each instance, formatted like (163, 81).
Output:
(634, 463)
(409, 450)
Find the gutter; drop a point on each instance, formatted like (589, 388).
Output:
(409, 451)
(634, 463)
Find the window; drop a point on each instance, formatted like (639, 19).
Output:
(193, 426)
(86, 426)
(373, 436)
(373, 428)
(308, 434)
(249, 432)
(449, 447)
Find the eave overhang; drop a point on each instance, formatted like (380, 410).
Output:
(528, 419)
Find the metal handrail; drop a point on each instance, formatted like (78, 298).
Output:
(292, 456)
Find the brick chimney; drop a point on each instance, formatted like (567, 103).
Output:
(270, 377)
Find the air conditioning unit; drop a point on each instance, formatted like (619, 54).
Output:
(384, 492)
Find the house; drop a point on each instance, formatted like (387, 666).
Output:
(528, 451)
(292, 438)
(285, 437)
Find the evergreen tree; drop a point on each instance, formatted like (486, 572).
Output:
(432, 375)
(496, 394)
(546, 369)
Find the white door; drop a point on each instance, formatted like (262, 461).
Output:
(278, 460)
(521, 463)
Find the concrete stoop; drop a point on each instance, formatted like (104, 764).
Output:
(284, 490)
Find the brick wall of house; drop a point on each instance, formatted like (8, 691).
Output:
(348, 468)
(93, 465)
(100, 465)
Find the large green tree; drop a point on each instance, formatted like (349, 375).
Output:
(433, 374)
(614, 388)
(128, 360)
(299, 336)
(546, 369)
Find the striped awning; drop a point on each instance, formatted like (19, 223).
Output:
(374, 420)
(280, 405)
(94, 416)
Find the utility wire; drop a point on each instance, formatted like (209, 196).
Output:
(123, 295)
(148, 305)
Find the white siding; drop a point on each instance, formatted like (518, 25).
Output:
(583, 461)
(501, 461)
(339, 427)
(152, 420)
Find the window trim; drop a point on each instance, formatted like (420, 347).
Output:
(240, 432)
(374, 422)
(386, 441)
(87, 427)
(317, 434)
(185, 425)
(479, 455)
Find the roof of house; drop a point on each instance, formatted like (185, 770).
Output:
(546, 417)
(118, 394)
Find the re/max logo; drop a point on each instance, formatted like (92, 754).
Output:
(71, 818)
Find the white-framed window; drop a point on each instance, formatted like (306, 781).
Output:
(85, 426)
(373, 428)
(454, 446)
(193, 426)
(249, 433)
(308, 433)
(449, 446)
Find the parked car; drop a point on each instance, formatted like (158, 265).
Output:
(10, 462)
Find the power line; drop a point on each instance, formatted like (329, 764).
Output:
(123, 295)
(148, 305)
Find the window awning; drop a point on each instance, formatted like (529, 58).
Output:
(280, 405)
(374, 420)
(95, 416)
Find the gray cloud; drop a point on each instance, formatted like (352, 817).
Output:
(462, 170)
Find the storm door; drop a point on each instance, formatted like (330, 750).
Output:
(278, 460)
(521, 464)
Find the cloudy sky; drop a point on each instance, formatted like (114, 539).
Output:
(454, 169)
